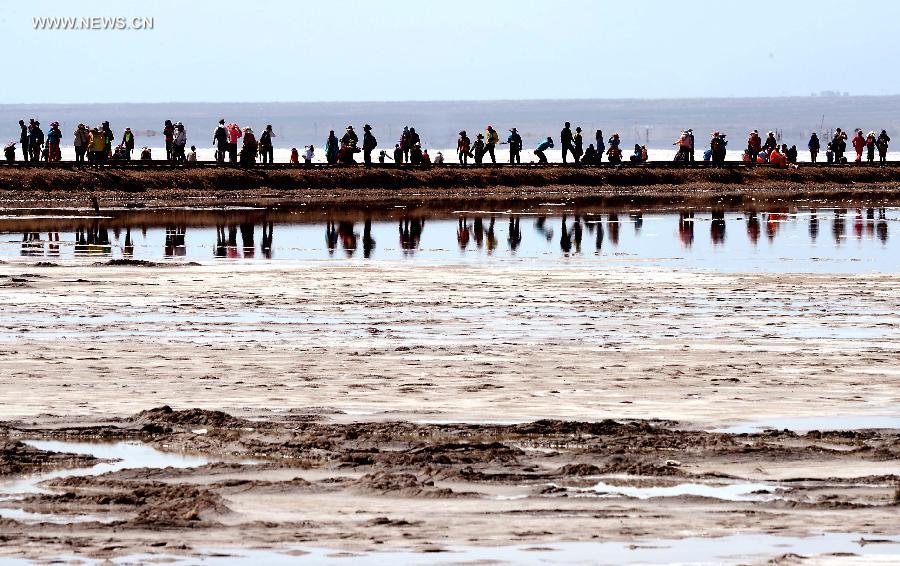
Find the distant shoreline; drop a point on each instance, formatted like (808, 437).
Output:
(446, 188)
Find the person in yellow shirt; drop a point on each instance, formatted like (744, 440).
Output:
(491, 141)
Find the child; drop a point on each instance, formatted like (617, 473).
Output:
(145, 154)
(192, 155)
(309, 154)
(295, 156)
(10, 152)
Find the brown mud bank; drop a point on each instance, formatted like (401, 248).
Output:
(448, 187)
(302, 480)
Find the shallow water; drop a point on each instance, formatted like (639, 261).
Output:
(735, 549)
(725, 492)
(122, 456)
(789, 240)
(823, 423)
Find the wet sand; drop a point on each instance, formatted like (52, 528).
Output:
(404, 405)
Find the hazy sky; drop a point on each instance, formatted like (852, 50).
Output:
(287, 50)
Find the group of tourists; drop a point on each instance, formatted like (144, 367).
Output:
(241, 146)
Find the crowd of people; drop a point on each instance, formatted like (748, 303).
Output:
(98, 145)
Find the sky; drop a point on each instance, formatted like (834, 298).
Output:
(397, 50)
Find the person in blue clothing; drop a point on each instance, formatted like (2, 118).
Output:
(541, 148)
(54, 137)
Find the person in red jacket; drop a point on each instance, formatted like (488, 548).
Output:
(859, 144)
(754, 145)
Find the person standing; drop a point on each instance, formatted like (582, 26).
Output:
(814, 146)
(859, 143)
(369, 145)
(692, 144)
(266, 147)
(718, 146)
(463, 147)
(754, 145)
(128, 143)
(220, 140)
(578, 145)
(478, 149)
(54, 136)
(234, 134)
(23, 140)
(108, 138)
(35, 141)
(883, 143)
(771, 143)
(515, 146)
(565, 141)
(491, 140)
(169, 134)
(839, 145)
(871, 143)
(331, 148)
(179, 141)
(601, 145)
(80, 142)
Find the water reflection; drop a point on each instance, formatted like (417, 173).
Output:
(789, 233)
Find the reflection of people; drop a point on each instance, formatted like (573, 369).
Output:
(411, 234)
(331, 236)
(813, 225)
(368, 240)
(565, 240)
(612, 223)
(753, 228)
(515, 234)
(881, 228)
(837, 226)
(348, 237)
(717, 227)
(462, 233)
(490, 237)
(266, 244)
(686, 228)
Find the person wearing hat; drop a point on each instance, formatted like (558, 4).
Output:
(128, 143)
(478, 149)
(871, 140)
(249, 148)
(883, 143)
(541, 148)
(814, 146)
(54, 136)
(266, 147)
(169, 135)
(35, 140)
(754, 145)
(369, 145)
(349, 136)
(220, 140)
(80, 142)
(577, 145)
(515, 146)
(690, 133)
(717, 146)
(463, 147)
(770, 143)
(179, 141)
(493, 138)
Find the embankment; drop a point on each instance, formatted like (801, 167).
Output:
(446, 187)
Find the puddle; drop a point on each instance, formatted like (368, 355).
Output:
(122, 456)
(778, 240)
(805, 424)
(735, 549)
(725, 492)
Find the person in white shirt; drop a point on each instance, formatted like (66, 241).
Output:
(439, 158)
(309, 154)
(192, 155)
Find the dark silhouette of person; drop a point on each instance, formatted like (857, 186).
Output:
(220, 141)
(813, 224)
(565, 239)
(838, 225)
(221, 248)
(565, 141)
(612, 224)
(717, 227)
(515, 146)
(599, 241)
(411, 234)
(515, 234)
(267, 235)
(881, 228)
(23, 140)
(369, 145)
(248, 238)
(368, 240)
(331, 236)
(753, 228)
(638, 219)
(540, 224)
(576, 234)
(478, 232)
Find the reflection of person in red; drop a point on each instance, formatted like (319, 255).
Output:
(348, 237)
(753, 229)
(462, 234)
(773, 223)
(686, 228)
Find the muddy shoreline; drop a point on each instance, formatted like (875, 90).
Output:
(446, 189)
(371, 487)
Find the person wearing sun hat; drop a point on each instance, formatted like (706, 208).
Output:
(349, 136)
(515, 146)
(54, 136)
